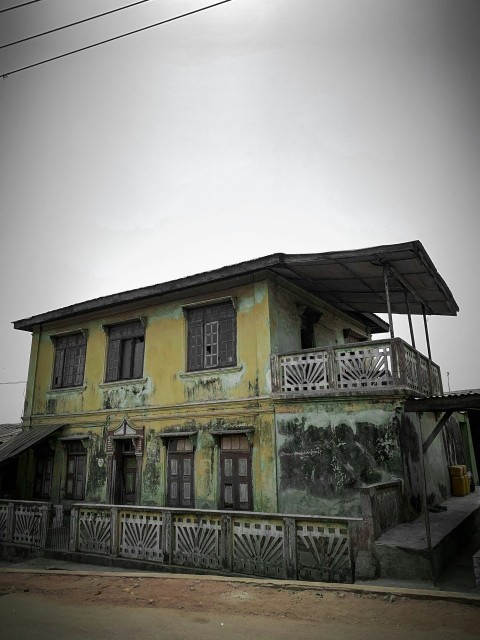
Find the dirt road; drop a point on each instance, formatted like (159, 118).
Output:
(40, 606)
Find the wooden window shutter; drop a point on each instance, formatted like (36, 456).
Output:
(138, 352)
(113, 360)
(58, 367)
(195, 340)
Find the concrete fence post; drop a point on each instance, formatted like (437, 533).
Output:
(290, 548)
(226, 542)
(10, 521)
(114, 532)
(167, 537)
(74, 520)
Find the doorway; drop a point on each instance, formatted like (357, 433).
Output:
(126, 472)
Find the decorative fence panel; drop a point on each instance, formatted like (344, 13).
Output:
(324, 552)
(196, 540)
(258, 547)
(362, 367)
(249, 543)
(24, 523)
(94, 530)
(366, 366)
(307, 371)
(140, 535)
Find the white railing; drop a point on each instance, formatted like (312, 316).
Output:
(361, 367)
(271, 545)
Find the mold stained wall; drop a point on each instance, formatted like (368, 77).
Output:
(328, 449)
(286, 322)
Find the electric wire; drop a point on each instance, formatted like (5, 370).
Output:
(17, 6)
(73, 24)
(16, 382)
(122, 35)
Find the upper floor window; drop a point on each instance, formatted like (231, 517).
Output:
(212, 337)
(126, 345)
(69, 361)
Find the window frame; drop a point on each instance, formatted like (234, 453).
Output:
(69, 360)
(125, 358)
(211, 336)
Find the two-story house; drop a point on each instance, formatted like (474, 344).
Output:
(255, 387)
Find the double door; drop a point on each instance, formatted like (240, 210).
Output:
(180, 473)
(235, 473)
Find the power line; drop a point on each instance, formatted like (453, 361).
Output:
(73, 24)
(16, 382)
(17, 6)
(123, 35)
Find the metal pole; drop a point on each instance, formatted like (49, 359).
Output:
(387, 297)
(409, 319)
(426, 332)
(425, 506)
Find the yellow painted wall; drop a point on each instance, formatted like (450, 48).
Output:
(165, 379)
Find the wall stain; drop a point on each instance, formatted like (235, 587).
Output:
(325, 460)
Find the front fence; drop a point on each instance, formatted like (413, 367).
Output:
(269, 545)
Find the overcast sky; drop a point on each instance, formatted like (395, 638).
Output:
(254, 127)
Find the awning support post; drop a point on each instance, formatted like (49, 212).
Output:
(426, 332)
(387, 297)
(412, 337)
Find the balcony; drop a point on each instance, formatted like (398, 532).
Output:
(362, 368)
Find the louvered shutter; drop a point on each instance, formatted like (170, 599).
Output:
(139, 349)
(195, 340)
(58, 367)
(227, 336)
(113, 360)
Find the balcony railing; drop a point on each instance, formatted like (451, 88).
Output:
(364, 367)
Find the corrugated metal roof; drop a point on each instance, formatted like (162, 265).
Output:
(456, 401)
(26, 439)
(352, 281)
(7, 431)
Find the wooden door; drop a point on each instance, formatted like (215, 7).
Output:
(236, 473)
(129, 479)
(180, 473)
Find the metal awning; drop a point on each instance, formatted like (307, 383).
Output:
(26, 439)
(352, 281)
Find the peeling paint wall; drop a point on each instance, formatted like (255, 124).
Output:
(328, 450)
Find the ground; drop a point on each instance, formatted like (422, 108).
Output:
(41, 605)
